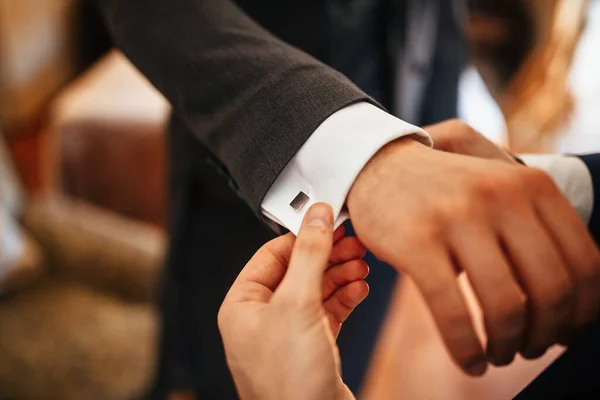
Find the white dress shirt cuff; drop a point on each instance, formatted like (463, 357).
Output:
(325, 167)
(572, 177)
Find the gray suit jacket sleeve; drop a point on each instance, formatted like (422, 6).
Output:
(250, 98)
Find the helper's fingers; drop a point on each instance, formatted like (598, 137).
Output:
(269, 264)
(310, 256)
(339, 233)
(579, 252)
(343, 274)
(435, 277)
(343, 301)
(501, 299)
(262, 274)
(347, 249)
(455, 136)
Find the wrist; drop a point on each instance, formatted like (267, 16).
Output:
(402, 151)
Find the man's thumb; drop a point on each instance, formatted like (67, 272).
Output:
(310, 254)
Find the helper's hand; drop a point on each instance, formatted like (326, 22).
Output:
(528, 256)
(281, 317)
(455, 136)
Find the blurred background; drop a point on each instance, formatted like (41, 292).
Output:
(82, 179)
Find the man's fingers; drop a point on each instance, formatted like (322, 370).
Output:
(543, 277)
(310, 255)
(343, 301)
(438, 284)
(347, 249)
(579, 252)
(343, 274)
(500, 297)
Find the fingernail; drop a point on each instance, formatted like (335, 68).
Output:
(319, 215)
(478, 368)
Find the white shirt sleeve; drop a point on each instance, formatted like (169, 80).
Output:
(325, 167)
(572, 177)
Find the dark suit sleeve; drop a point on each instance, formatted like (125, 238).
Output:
(250, 98)
(592, 161)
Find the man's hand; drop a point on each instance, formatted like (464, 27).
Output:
(528, 256)
(281, 317)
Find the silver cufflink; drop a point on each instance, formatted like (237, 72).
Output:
(299, 201)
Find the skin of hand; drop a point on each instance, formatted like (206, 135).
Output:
(455, 136)
(530, 260)
(280, 320)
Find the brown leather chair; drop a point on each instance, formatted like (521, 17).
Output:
(87, 328)
(107, 140)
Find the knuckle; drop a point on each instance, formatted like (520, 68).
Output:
(423, 234)
(589, 273)
(435, 292)
(488, 191)
(497, 188)
(507, 315)
(457, 322)
(458, 208)
(467, 353)
(465, 348)
(459, 336)
(559, 297)
(539, 181)
(492, 186)
(250, 293)
(328, 287)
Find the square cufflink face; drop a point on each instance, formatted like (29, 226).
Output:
(299, 201)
